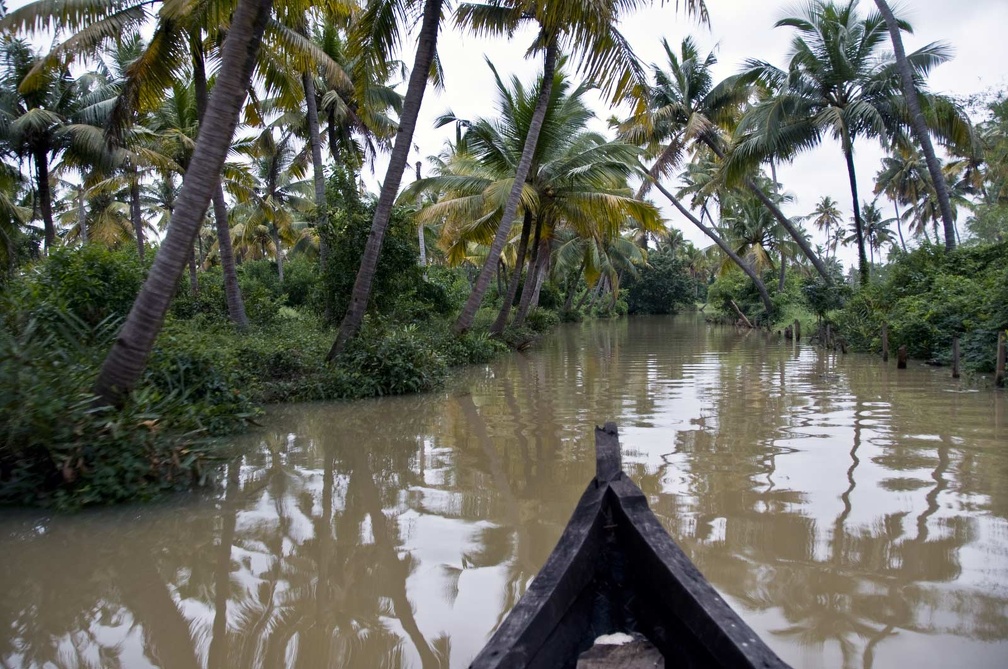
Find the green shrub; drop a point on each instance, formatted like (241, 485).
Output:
(541, 319)
(60, 446)
(90, 284)
(928, 297)
(393, 361)
(663, 286)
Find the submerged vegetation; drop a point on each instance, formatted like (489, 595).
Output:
(165, 274)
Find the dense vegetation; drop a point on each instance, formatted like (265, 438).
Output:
(167, 269)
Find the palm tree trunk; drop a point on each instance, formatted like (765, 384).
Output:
(193, 279)
(81, 216)
(783, 273)
(779, 215)
(530, 293)
(572, 286)
(512, 288)
(232, 291)
(899, 225)
(426, 48)
(135, 215)
(530, 275)
(126, 361)
(743, 265)
(920, 128)
(278, 251)
(318, 169)
(858, 225)
(465, 319)
(45, 196)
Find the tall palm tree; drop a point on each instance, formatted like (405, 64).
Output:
(826, 216)
(578, 181)
(588, 31)
(684, 108)
(837, 82)
(33, 120)
(125, 362)
(909, 82)
(379, 26)
(281, 193)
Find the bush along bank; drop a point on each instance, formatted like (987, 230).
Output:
(925, 299)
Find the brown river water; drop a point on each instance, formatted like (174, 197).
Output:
(853, 514)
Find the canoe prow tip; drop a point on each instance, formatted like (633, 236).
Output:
(608, 459)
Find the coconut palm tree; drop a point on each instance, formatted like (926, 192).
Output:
(685, 109)
(281, 193)
(33, 120)
(909, 82)
(837, 82)
(577, 181)
(381, 28)
(125, 362)
(588, 31)
(826, 216)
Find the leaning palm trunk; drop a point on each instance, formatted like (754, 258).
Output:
(232, 291)
(743, 265)
(777, 214)
(920, 128)
(512, 288)
(426, 48)
(126, 361)
(465, 319)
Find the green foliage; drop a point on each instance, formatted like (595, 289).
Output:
(663, 286)
(90, 284)
(540, 319)
(821, 297)
(930, 296)
(397, 273)
(60, 447)
(736, 286)
(393, 361)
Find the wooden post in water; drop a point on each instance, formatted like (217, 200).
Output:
(828, 335)
(955, 357)
(901, 357)
(885, 342)
(999, 371)
(797, 330)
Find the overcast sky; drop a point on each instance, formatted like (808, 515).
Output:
(740, 29)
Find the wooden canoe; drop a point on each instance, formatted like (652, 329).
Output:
(615, 569)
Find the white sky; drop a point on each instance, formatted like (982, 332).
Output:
(739, 29)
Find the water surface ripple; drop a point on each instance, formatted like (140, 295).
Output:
(854, 515)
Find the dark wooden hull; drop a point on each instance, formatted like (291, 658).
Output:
(616, 569)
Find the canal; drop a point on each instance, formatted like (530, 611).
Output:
(853, 514)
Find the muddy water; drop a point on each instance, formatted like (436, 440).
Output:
(854, 515)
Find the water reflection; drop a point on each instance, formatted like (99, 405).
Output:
(855, 516)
